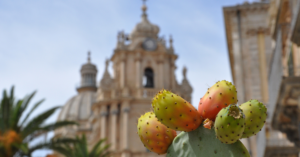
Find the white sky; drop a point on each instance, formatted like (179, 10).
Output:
(44, 43)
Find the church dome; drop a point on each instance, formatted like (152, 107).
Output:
(79, 107)
(88, 75)
(88, 68)
(145, 28)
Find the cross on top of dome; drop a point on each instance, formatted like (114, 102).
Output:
(144, 7)
(89, 57)
(145, 28)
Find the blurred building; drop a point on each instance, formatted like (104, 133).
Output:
(263, 40)
(142, 65)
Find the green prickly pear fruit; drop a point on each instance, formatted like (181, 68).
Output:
(218, 96)
(175, 112)
(229, 124)
(202, 142)
(154, 135)
(255, 117)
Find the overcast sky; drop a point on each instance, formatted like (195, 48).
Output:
(44, 43)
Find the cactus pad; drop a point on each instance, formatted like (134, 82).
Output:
(203, 142)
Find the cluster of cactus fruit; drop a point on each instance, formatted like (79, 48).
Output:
(224, 123)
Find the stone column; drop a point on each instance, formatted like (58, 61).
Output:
(238, 76)
(160, 63)
(172, 74)
(122, 71)
(262, 66)
(138, 79)
(103, 114)
(124, 133)
(113, 128)
(253, 146)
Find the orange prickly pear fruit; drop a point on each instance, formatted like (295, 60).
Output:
(155, 136)
(220, 95)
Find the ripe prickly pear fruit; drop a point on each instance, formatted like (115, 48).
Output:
(229, 124)
(154, 135)
(175, 112)
(256, 115)
(218, 96)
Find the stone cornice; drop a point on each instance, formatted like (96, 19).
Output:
(119, 54)
(253, 7)
(255, 31)
(83, 89)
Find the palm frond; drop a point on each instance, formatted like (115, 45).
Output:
(11, 113)
(95, 148)
(102, 150)
(5, 110)
(50, 127)
(30, 112)
(57, 125)
(55, 143)
(16, 115)
(35, 123)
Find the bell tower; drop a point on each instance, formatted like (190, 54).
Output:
(145, 64)
(142, 65)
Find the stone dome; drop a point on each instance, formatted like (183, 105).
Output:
(79, 107)
(88, 75)
(145, 28)
(88, 68)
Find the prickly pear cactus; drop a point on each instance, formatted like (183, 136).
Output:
(175, 112)
(220, 95)
(203, 142)
(219, 135)
(256, 115)
(154, 135)
(229, 124)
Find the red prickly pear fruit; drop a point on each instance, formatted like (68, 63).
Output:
(175, 112)
(155, 136)
(229, 124)
(218, 96)
(256, 115)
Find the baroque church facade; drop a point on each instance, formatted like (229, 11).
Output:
(142, 65)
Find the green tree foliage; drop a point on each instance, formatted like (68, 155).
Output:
(80, 149)
(18, 129)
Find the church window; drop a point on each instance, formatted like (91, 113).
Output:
(148, 79)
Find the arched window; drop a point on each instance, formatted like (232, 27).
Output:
(148, 80)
